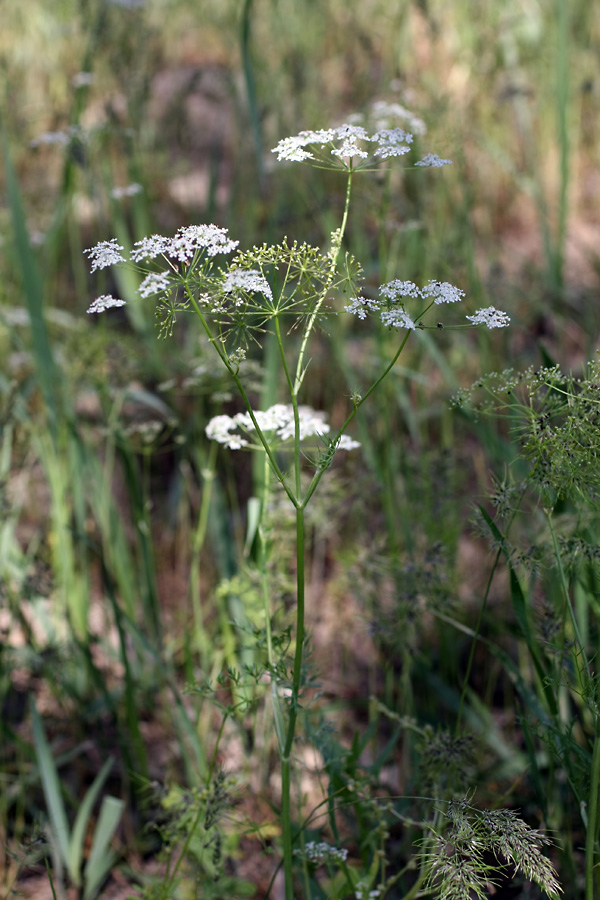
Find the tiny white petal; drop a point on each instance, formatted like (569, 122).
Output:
(106, 301)
(442, 292)
(154, 283)
(360, 306)
(433, 160)
(491, 317)
(105, 253)
(397, 318)
(396, 288)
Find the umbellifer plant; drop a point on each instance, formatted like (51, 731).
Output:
(286, 290)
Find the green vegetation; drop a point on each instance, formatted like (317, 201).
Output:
(299, 563)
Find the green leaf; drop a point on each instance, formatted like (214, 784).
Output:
(47, 372)
(83, 817)
(102, 858)
(52, 793)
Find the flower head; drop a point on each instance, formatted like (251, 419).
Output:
(246, 280)
(103, 303)
(154, 283)
(348, 142)
(277, 421)
(492, 317)
(397, 318)
(442, 292)
(185, 244)
(104, 254)
(434, 161)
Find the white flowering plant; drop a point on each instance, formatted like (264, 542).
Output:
(285, 290)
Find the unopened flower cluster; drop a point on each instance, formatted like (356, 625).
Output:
(277, 420)
(394, 295)
(322, 853)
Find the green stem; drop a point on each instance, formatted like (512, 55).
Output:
(592, 822)
(233, 372)
(294, 706)
(334, 255)
(357, 405)
(567, 596)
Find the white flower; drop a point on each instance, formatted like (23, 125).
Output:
(192, 238)
(359, 306)
(347, 140)
(104, 302)
(149, 248)
(347, 443)
(219, 429)
(392, 142)
(277, 420)
(349, 135)
(106, 253)
(383, 112)
(433, 160)
(129, 191)
(394, 289)
(154, 283)
(292, 148)
(397, 318)
(492, 317)
(442, 292)
(247, 280)
(185, 244)
(320, 852)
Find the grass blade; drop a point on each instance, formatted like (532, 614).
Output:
(83, 817)
(102, 858)
(52, 792)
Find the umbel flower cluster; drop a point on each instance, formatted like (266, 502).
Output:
(350, 146)
(277, 422)
(391, 305)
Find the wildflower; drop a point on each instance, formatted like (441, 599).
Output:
(292, 148)
(442, 292)
(104, 254)
(192, 238)
(347, 140)
(492, 317)
(185, 244)
(149, 248)
(103, 303)
(154, 283)
(394, 289)
(277, 420)
(247, 280)
(392, 142)
(361, 305)
(434, 161)
(383, 112)
(219, 429)
(397, 318)
(321, 852)
(129, 191)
